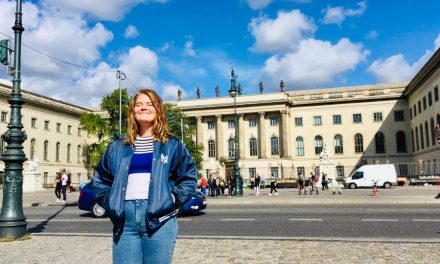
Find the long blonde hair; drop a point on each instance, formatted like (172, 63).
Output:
(160, 126)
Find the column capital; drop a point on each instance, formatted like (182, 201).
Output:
(285, 112)
(261, 113)
(240, 115)
(218, 116)
(199, 118)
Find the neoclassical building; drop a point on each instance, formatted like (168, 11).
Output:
(54, 135)
(285, 132)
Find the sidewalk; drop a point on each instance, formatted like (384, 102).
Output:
(97, 249)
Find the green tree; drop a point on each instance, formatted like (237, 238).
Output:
(110, 103)
(178, 122)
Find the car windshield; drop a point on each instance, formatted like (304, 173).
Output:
(358, 175)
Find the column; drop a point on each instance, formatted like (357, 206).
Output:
(262, 137)
(284, 135)
(241, 141)
(219, 137)
(199, 138)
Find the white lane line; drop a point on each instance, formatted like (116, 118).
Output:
(237, 219)
(184, 219)
(380, 220)
(69, 220)
(425, 220)
(305, 219)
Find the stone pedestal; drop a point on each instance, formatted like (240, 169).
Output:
(32, 182)
(327, 167)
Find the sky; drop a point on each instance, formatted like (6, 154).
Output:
(169, 45)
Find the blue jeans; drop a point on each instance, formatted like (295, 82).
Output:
(140, 244)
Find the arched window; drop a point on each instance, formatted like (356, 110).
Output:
(339, 147)
(422, 139)
(380, 142)
(253, 147)
(231, 148)
(57, 152)
(211, 148)
(79, 154)
(400, 142)
(412, 140)
(46, 151)
(358, 143)
(432, 132)
(69, 151)
(274, 146)
(32, 152)
(417, 139)
(299, 146)
(427, 134)
(318, 145)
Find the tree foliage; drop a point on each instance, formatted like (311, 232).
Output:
(110, 103)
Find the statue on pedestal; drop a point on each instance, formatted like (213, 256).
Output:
(261, 87)
(198, 92)
(217, 91)
(34, 164)
(179, 94)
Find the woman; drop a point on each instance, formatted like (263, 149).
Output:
(141, 181)
(58, 186)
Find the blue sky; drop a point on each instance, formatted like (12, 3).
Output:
(183, 44)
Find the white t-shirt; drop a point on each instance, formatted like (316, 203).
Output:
(64, 179)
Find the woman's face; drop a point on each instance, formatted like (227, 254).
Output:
(144, 111)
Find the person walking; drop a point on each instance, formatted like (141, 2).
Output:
(273, 184)
(203, 185)
(64, 179)
(257, 184)
(300, 183)
(142, 180)
(58, 186)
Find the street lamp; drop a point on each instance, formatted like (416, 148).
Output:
(12, 220)
(120, 76)
(233, 93)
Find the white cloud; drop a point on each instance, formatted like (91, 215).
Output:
(258, 4)
(315, 62)
(131, 32)
(336, 15)
(188, 49)
(372, 34)
(280, 34)
(113, 10)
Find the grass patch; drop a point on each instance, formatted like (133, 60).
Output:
(12, 238)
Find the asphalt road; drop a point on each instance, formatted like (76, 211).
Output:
(400, 222)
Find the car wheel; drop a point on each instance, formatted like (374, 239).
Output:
(98, 211)
(352, 186)
(387, 185)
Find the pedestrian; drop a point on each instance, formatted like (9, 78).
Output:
(64, 179)
(203, 185)
(58, 186)
(142, 180)
(300, 183)
(312, 182)
(326, 181)
(273, 184)
(222, 185)
(231, 184)
(257, 184)
(69, 182)
(323, 181)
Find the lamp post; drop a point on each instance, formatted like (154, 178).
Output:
(120, 76)
(233, 93)
(12, 220)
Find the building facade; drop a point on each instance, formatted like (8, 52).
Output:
(284, 133)
(54, 135)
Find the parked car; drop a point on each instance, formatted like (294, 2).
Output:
(381, 175)
(87, 202)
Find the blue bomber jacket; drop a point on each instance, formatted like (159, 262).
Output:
(173, 181)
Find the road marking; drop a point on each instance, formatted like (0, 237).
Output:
(380, 220)
(425, 220)
(237, 219)
(69, 220)
(184, 219)
(305, 219)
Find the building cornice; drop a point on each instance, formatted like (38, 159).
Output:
(425, 73)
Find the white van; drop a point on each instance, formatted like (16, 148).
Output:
(383, 175)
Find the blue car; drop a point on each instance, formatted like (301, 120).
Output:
(87, 202)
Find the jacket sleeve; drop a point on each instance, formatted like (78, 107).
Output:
(103, 179)
(185, 183)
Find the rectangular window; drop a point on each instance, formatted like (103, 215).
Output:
(58, 127)
(357, 118)
(231, 123)
(79, 131)
(340, 171)
(317, 120)
(298, 121)
(46, 125)
(69, 130)
(211, 125)
(429, 98)
(4, 117)
(300, 170)
(398, 115)
(436, 93)
(252, 172)
(34, 122)
(274, 121)
(415, 110)
(377, 117)
(337, 119)
(252, 122)
(274, 171)
(419, 106)
(424, 102)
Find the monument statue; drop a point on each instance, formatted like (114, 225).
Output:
(239, 89)
(282, 86)
(34, 164)
(261, 87)
(198, 92)
(217, 91)
(326, 154)
(179, 94)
